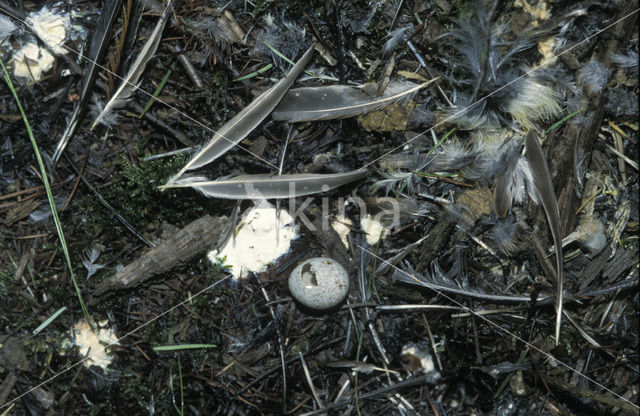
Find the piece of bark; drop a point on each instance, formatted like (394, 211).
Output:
(615, 267)
(7, 386)
(579, 393)
(594, 268)
(185, 244)
(21, 211)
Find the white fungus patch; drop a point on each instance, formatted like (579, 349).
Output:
(50, 28)
(260, 239)
(93, 344)
(418, 358)
(373, 229)
(31, 62)
(342, 226)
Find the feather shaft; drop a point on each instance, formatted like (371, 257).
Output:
(97, 48)
(438, 282)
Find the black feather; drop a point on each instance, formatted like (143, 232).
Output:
(97, 48)
(128, 46)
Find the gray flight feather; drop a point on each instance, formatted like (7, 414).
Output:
(542, 179)
(501, 198)
(266, 186)
(339, 101)
(246, 120)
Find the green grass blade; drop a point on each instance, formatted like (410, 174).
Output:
(179, 410)
(506, 381)
(156, 93)
(277, 52)
(255, 73)
(49, 320)
(181, 347)
(181, 389)
(6, 412)
(445, 137)
(561, 121)
(47, 187)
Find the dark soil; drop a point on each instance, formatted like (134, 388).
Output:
(404, 342)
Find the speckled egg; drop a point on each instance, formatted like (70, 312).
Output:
(319, 283)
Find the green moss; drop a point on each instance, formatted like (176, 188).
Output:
(211, 102)
(260, 6)
(46, 341)
(143, 201)
(137, 198)
(153, 333)
(138, 392)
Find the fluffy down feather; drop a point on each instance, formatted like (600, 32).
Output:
(504, 97)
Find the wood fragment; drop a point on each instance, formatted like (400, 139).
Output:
(594, 268)
(615, 267)
(189, 69)
(580, 393)
(21, 211)
(6, 387)
(437, 241)
(194, 239)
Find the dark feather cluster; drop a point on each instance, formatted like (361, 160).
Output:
(594, 76)
(628, 61)
(493, 158)
(491, 68)
(283, 35)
